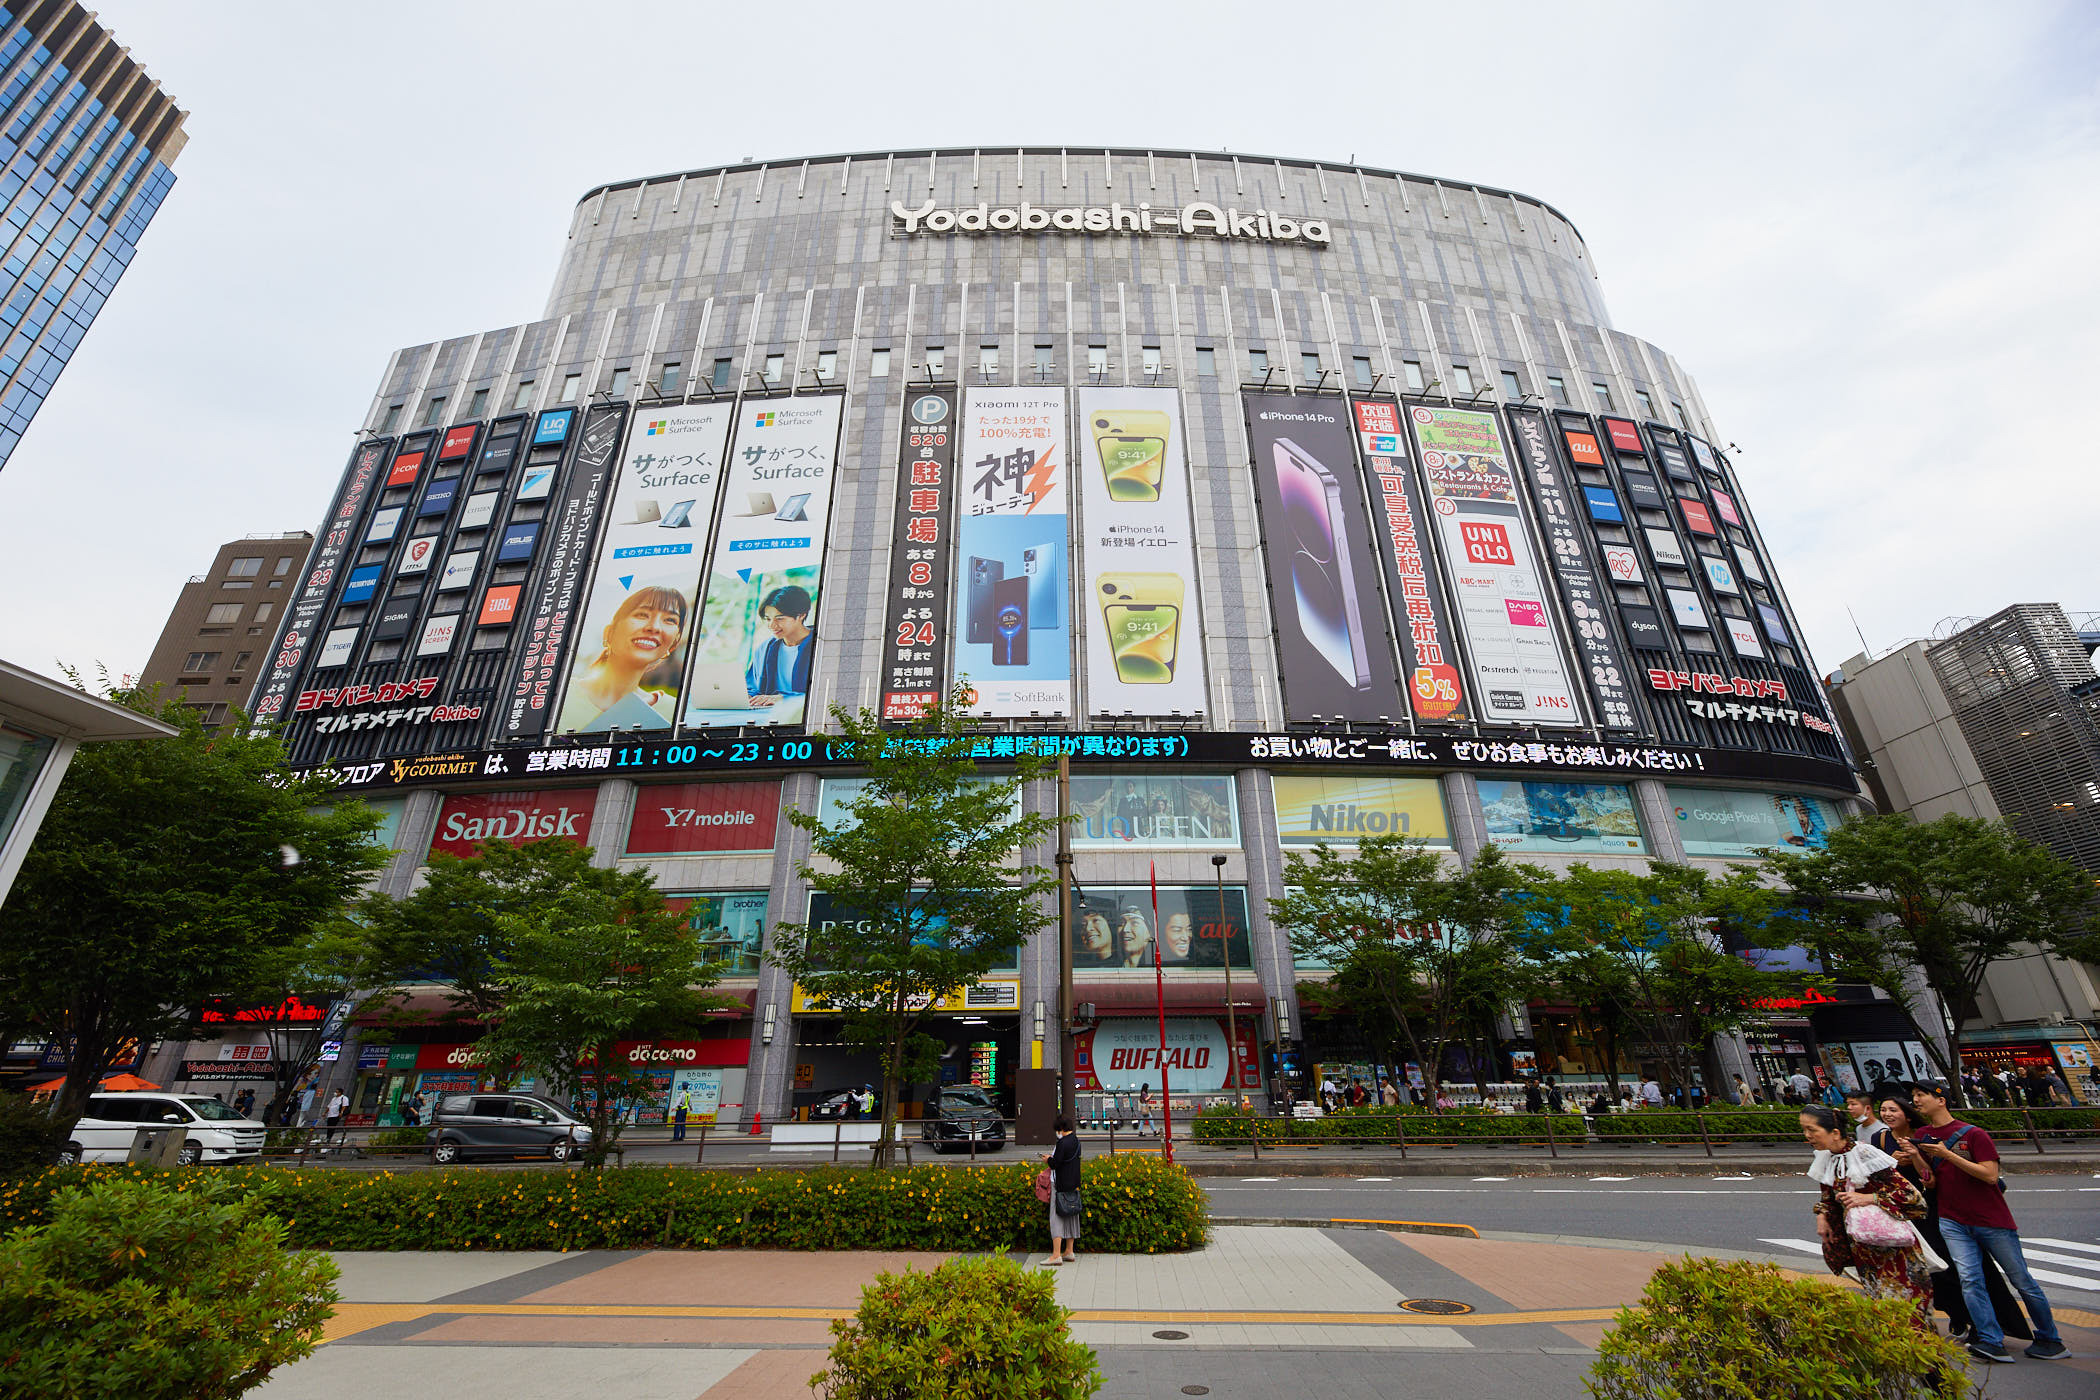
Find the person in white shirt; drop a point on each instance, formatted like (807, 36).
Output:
(338, 1105)
(1651, 1094)
(1803, 1085)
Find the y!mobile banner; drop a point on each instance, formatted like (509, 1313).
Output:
(1400, 520)
(1518, 675)
(755, 652)
(1580, 588)
(915, 627)
(1331, 639)
(570, 522)
(1144, 642)
(631, 651)
(305, 613)
(1011, 612)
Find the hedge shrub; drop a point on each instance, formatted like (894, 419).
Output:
(1226, 1126)
(1783, 1124)
(1136, 1204)
(973, 1329)
(1706, 1329)
(30, 1135)
(152, 1291)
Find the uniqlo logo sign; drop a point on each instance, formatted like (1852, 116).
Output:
(1486, 543)
(1377, 418)
(405, 467)
(499, 605)
(1583, 448)
(456, 443)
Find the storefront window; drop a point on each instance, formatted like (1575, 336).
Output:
(1154, 810)
(22, 759)
(1342, 811)
(1574, 818)
(731, 929)
(1114, 927)
(1727, 822)
(824, 911)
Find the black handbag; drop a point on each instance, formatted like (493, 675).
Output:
(1069, 1206)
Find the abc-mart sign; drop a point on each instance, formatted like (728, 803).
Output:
(1195, 219)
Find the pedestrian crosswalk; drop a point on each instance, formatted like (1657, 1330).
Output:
(2055, 1263)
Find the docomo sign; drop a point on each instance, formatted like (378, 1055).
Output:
(516, 817)
(1196, 218)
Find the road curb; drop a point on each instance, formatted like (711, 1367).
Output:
(1777, 1165)
(1404, 1227)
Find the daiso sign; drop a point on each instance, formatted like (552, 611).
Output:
(516, 817)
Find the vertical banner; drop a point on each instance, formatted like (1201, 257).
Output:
(1400, 521)
(644, 596)
(915, 625)
(1331, 640)
(1518, 675)
(755, 651)
(1144, 643)
(301, 619)
(1011, 624)
(1580, 588)
(568, 527)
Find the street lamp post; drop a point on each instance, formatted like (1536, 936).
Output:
(1067, 1068)
(1232, 1024)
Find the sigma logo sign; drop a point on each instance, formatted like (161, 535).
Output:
(514, 817)
(1197, 218)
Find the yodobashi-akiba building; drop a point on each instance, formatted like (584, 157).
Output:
(1292, 501)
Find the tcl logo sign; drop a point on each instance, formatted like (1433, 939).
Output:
(1486, 543)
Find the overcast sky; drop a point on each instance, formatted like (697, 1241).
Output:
(1868, 231)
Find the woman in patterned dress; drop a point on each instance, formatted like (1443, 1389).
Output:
(1854, 1174)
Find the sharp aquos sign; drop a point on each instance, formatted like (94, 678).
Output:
(516, 817)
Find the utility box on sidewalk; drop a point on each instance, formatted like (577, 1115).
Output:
(1035, 1107)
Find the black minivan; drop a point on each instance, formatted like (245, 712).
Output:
(466, 1126)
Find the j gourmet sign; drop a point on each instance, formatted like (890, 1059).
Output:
(1197, 218)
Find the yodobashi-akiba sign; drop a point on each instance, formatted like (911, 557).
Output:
(1190, 219)
(516, 817)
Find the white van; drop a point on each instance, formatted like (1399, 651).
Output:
(216, 1133)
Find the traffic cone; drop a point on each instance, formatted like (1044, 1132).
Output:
(757, 1121)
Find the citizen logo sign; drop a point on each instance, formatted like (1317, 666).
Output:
(515, 825)
(1197, 218)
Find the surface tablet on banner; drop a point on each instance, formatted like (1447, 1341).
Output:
(1602, 503)
(362, 583)
(754, 652)
(404, 470)
(481, 509)
(637, 626)
(1724, 506)
(1696, 518)
(416, 555)
(1642, 490)
(499, 605)
(1583, 449)
(1775, 626)
(1010, 629)
(518, 541)
(384, 523)
(553, 427)
(1744, 636)
(1624, 436)
(1686, 608)
(458, 442)
(1644, 627)
(1720, 576)
(437, 500)
(536, 483)
(1665, 546)
(1144, 646)
(335, 651)
(1518, 674)
(459, 570)
(1623, 563)
(438, 634)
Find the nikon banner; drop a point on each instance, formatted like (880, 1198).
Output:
(1144, 642)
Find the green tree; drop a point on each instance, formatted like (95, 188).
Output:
(605, 960)
(327, 964)
(166, 872)
(1432, 942)
(929, 866)
(1923, 909)
(1645, 943)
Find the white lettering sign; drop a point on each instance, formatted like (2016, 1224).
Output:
(1189, 219)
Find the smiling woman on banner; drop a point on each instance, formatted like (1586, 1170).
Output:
(644, 631)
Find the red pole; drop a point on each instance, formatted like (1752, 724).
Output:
(1159, 981)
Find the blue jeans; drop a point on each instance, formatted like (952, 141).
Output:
(1967, 1243)
(678, 1128)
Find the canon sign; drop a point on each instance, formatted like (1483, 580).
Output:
(1196, 218)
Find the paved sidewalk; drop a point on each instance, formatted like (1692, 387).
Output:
(1258, 1313)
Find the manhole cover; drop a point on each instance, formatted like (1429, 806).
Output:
(1442, 1307)
(1172, 1336)
(1195, 1390)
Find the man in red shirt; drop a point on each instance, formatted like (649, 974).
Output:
(1974, 1220)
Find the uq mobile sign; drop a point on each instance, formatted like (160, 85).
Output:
(1196, 218)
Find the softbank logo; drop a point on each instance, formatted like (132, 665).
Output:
(1196, 218)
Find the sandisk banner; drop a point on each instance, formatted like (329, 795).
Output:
(1580, 588)
(516, 817)
(1400, 524)
(915, 625)
(1518, 675)
(304, 616)
(551, 601)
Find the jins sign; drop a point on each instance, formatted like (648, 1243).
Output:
(1196, 218)
(516, 817)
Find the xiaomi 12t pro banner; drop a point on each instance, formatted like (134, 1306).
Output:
(1012, 633)
(755, 652)
(1518, 676)
(1331, 639)
(644, 604)
(1144, 648)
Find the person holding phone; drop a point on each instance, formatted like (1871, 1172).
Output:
(643, 632)
(781, 668)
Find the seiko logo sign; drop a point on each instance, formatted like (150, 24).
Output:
(1196, 218)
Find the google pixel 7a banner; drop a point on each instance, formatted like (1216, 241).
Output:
(755, 653)
(1144, 647)
(1333, 647)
